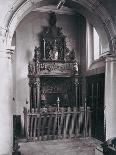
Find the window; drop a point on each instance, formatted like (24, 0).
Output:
(93, 46)
(97, 46)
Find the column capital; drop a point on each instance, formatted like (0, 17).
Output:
(113, 44)
(110, 58)
(34, 82)
(6, 53)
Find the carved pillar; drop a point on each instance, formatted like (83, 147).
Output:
(38, 93)
(44, 49)
(110, 97)
(31, 92)
(34, 92)
(6, 109)
(34, 104)
(76, 84)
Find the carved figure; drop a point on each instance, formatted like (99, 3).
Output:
(43, 98)
(52, 19)
(53, 52)
(72, 55)
(76, 67)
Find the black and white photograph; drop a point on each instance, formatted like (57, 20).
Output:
(57, 77)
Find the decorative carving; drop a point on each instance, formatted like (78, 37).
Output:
(31, 69)
(70, 55)
(54, 59)
(76, 67)
(37, 54)
(34, 82)
(52, 56)
(52, 41)
(53, 68)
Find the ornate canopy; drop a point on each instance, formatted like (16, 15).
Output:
(53, 57)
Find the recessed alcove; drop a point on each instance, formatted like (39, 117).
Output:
(58, 87)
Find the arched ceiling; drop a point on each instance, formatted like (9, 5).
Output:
(9, 7)
(101, 13)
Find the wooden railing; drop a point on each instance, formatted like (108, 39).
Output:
(53, 123)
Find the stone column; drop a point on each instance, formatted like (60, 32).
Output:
(110, 97)
(34, 92)
(6, 114)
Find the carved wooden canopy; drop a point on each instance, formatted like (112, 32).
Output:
(53, 57)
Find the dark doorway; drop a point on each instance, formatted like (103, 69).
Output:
(95, 99)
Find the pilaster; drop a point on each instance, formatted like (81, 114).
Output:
(110, 96)
(6, 115)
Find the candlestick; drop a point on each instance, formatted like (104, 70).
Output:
(58, 100)
(44, 48)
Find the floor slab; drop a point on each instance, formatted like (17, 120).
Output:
(59, 147)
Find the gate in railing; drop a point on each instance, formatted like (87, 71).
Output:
(54, 123)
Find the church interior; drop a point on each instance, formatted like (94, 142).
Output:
(58, 77)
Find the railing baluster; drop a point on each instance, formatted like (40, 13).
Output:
(49, 125)
(89, 122)
(43, 126)
(26, 124)
(57, 124)
(31, 126)
(77, 125)
(67, 122)
(39, 127)
(61, 123)
(81, 121)
(72, 122)
(35, 127)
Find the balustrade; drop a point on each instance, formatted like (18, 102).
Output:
(57, 123)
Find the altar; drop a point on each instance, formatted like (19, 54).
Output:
(53, 73)
(55, 90)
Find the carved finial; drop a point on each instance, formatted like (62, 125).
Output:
(36, 54)
(52, 18)
(76, 69)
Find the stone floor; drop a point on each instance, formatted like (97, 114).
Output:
(59, 147)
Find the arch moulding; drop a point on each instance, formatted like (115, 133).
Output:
(93, 6)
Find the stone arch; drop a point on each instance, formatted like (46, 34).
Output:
(93, 10)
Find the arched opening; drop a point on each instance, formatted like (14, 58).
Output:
(98, 20)
(105, 33)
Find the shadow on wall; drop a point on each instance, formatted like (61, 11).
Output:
(22, 91)
(29, 55)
